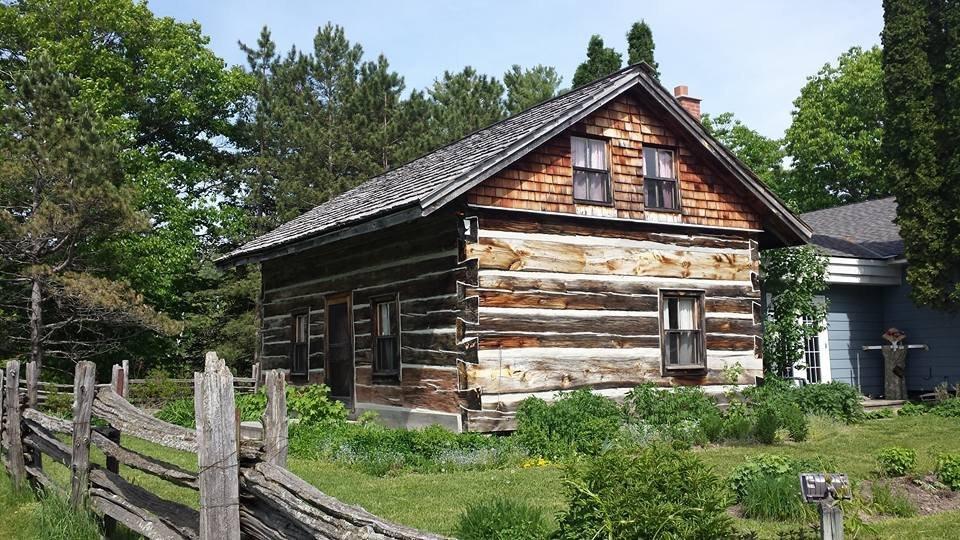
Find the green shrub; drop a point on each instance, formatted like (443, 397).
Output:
(712, 426)
(913, 409)
(878, 414)
(59, 404)
(948, 408)
(795, 422)
(766, 465)
(766, 426)
(948, 470)
(502, 519)
(737, 424)
(774, 497)
(313, 406)
(630, 494)
(251, 406)
(579, 422)
(836, 400)
(661, 407)
(895, 461)
(180, 412)
(885, 501)
(378, 450)
(158, 389)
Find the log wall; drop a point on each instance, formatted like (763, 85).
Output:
(543, 179)
(418, 261)
(565, 304)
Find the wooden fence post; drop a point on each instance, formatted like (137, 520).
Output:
(84, 388)
(256, 377)
(217, 442)
(15, 459)
(126, 379)
(275, 419)
(33, 381)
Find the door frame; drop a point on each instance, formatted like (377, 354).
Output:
(304, 311)
(823, 346)
(340, 298)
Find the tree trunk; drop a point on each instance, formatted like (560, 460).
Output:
(36, 323)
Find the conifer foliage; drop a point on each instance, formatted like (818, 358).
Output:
(921, 77)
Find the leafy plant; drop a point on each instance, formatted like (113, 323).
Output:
(313, 406)
(180, 412)
(251, 406)
(579, 422)
(878, 414)
(795, 422)
(896, 461)
(948, 470)
(774, 497)
(58, 404)
(913, 409)
(159, 389)
(502, 519)
(836, 400)
(764, 465)
(765, 429)
(886, 501)
(737, 425)
(654, 491)
(712, 426)
(948, 408)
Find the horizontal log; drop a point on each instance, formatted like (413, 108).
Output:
(551, 256)
(161, 469)
(50, 423)
(49, 445)
(609, 285)
(552, 369)
(423, 387)
(507, 340)
(134, 421)
(45, 481)
(140, 510)
(485, 421)
(566, 300)
(598, 322)
(323, 516)
(726, 325)
(565, 226)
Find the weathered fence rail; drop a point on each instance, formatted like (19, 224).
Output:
(243, 487)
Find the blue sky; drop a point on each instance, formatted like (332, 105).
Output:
(747, 57)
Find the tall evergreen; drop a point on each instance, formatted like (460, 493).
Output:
(465, 101)
(63, 194)
(527, 87)
(640, 45)
(601, 61)
(921, 89)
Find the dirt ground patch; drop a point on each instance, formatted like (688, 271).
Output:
(927, 494)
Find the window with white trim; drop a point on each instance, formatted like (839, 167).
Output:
(591, 173)
(681, 330)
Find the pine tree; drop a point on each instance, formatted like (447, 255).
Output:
(921, 50)
(465, 102)
(63, 195)
(640, 45)
(527, 87)
(601, 61)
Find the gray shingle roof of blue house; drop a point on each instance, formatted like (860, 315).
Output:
(864, 230)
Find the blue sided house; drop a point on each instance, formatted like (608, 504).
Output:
(867, 295)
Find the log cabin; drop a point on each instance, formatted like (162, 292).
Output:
(600, 239)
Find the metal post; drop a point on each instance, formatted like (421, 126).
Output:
(831, 519)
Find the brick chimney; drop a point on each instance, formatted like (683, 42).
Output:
(691, 104)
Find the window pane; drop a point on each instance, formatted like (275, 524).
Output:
(580, 185)
(687, 348)
(386, 354)
(652, 193)
(597, 158)
(665, 164)
(300, 329)
(672, 349)
(685, 313)
(578, 151)
(598, 187)
(668, 196)
(649, 162)
(672, 323)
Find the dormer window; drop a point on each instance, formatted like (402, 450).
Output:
(660, 180)
(591, 173)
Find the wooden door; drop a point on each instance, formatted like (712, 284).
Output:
(339, 348)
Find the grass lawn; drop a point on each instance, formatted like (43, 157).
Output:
(434, 501)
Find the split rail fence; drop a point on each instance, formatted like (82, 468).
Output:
(245, 489)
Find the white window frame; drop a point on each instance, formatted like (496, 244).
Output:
(823, 345)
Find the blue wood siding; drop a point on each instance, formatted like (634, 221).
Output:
(939, 330)
(855, 319)
(858, 315)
